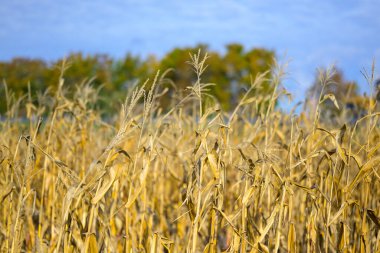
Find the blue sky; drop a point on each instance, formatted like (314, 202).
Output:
(310, 33)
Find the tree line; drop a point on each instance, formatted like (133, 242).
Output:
(231, 71)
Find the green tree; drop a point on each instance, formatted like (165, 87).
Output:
(242, 65)
(181, 73)
(230, 72)
(18, 74)
(20, 71)
(80, 67)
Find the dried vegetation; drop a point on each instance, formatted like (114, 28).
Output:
(190, 179)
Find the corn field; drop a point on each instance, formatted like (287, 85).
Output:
(192, 178)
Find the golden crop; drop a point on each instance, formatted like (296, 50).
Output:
(191, 179)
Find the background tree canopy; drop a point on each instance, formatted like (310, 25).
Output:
(230, 72)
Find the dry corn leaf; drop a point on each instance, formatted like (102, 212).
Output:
(331, 97)
(4, 192)
(364, 171)
(376, 220)
(338, 214)
(114, 172)
(247, 195)
(292, 241)
(92, 245)
(269, 224)
(142, 178)
(213, 163)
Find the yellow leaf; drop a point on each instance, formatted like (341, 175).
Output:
(213, 162)
(247, 195)
(292, 239)
(113, 173)
(332, 98)
(92, 245)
